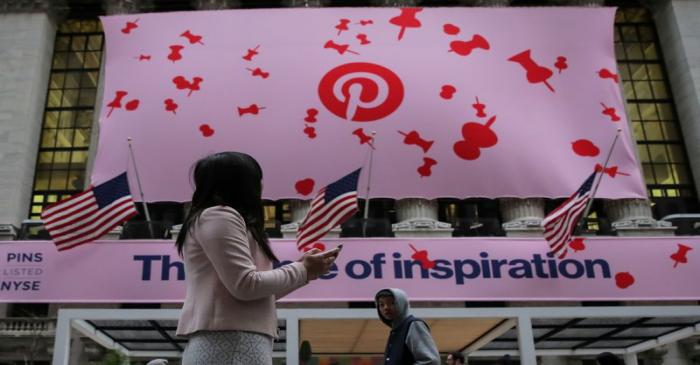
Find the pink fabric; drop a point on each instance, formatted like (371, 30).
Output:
(230, 282)
(284, 86)
(639, 268)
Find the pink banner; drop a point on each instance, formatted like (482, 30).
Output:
(460, 98)
(428, 269)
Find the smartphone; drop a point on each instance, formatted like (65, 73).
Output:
(335, 251)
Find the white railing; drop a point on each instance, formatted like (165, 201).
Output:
(28, 327)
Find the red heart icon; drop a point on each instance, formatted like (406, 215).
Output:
(584, 147)
(206, 130)
(624, 280)
(577, 244)
(447, 91)
(305, 187)
(450, 29)
(466, 150)
(132, 105)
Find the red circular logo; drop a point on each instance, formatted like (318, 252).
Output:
(361, 91)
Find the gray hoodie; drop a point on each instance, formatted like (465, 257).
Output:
(419, 341)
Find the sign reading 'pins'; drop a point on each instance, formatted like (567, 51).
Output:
(361, 91)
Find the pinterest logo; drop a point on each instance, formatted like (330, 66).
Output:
(361, 91)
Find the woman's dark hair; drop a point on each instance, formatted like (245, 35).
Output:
(232, 179)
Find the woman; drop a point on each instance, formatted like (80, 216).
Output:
(229, 312)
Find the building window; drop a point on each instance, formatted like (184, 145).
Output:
(68, 114)
(650, 106)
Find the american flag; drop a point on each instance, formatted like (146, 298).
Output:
(332, 206)
(559, 225)
(89, 215)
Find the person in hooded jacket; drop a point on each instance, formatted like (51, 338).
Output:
(409, 341)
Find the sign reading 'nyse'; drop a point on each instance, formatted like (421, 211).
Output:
(457, 269)
(526, 99)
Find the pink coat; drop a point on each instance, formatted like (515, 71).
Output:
(230, 281)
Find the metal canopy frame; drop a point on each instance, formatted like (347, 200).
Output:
(522, 332)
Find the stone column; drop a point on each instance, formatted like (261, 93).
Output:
(679, 35)
(522, 217)
(27, 35)
(418, 218)
(632, 217)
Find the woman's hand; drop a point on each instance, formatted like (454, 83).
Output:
(318, 263)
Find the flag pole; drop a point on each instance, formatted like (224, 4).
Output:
(595, 188)
(138, 182)
(369, 179)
